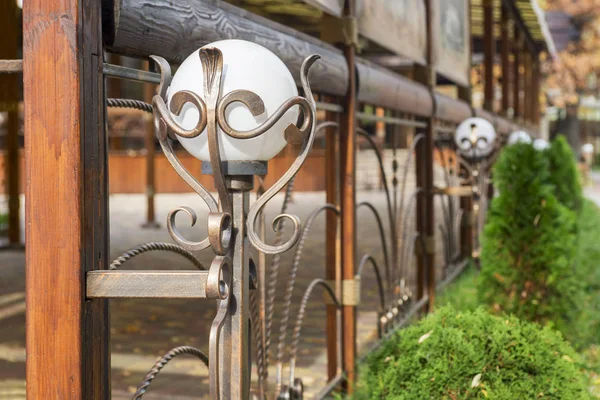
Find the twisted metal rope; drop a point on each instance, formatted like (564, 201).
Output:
(129, 103)
(287, 298)
(154, 246)
(160, 364)
(273, 275)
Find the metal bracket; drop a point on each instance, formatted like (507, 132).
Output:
(146, 284)
(425, 245)
(350, 292)
(460, 191)
(350, 32)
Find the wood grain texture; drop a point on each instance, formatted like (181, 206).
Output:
(347, 179)
(67, 345)
(176, 29)
(379, 86)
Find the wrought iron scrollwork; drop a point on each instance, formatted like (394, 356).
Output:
(211, 108)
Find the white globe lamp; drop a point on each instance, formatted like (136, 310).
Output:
(540, 144)
(475, 138)
(246, 66)
(519, 137)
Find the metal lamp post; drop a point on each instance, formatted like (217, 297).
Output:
(234, 105)
(474, 139)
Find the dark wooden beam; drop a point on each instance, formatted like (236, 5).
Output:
(332, 261)
(516, 78)
(489, 51)
(425, 218)
(535, 90)
(347, 179)
(67, 233)
(10, 93)
(505, 61)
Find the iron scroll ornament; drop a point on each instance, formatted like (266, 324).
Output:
(212, 115)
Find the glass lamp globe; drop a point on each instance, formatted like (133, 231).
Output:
(475, 137)
(248, 66)
(519, 137)
(540, 144)
(587, 148)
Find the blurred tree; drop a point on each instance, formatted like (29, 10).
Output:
(575, 71)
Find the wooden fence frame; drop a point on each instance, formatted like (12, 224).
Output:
(66, 211)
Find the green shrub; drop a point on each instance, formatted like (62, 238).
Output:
(472, 355)
(564, 174)
(528, 244)
(587, 262)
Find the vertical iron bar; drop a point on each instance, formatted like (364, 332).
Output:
(348, 203)
(424, 167)
(235, 378)
(150, 145)
(331, 258)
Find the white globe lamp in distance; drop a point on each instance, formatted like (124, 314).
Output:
(540, 144)
(587, 148)
(246, 66)
(475, 138)
(519, 137)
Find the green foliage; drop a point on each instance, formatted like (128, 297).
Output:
(564, 175)
(528, 245)
(472, 355)
(462, 293)
(588, 270)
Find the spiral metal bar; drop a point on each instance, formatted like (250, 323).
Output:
(405, 227)
(160, 364)
(384, 244)
(129, 103)
(367, 258)
(391, 211)
(273, 277)
(399, 214)
(300, 319)
(287, 300)
(154, 246)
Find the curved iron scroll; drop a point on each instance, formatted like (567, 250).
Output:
(154, 246)
(164, 360)
(367, 258)
(300, 319)
(287, 300)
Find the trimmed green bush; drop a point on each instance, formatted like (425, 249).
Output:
(472, 355)
(587, 261)
(528, 244)
(564, 175)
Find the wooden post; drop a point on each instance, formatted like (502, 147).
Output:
(66, 208)
(517, 45)
(150, 145)
(424, 170)
(9, 102)
(331, 258)
(489, 51)
(466, 203)
(527, 88)
(347, 139)
(535, 90)
(504, 54)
